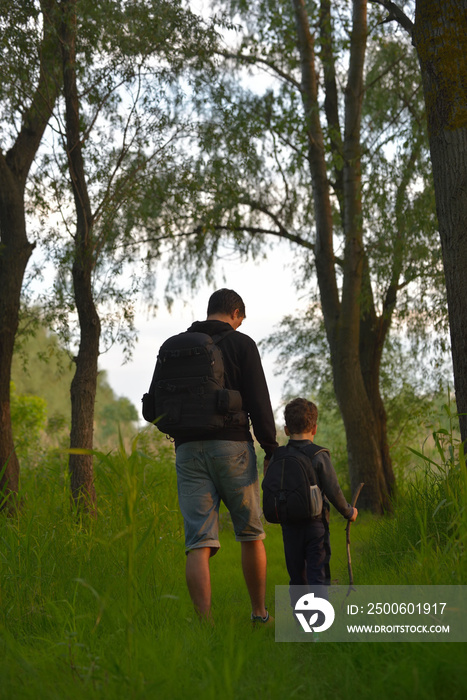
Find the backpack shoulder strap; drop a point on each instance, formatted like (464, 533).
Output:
(311, 451)
(217, 337)
(283, 451)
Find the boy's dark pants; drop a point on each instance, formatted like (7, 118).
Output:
(307, 553)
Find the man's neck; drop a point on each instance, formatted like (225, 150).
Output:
(234, 319)
(225, 318)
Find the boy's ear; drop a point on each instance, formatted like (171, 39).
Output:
(314, 430)
(286, 430)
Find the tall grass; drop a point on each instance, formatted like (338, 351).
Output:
(100, 609)
(425, 541)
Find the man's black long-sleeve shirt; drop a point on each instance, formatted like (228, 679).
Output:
(243, 372)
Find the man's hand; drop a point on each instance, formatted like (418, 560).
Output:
(265, 465)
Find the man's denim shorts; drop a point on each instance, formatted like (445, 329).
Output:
(209, 471)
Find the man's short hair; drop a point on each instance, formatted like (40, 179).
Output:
(225, 301)
(301, 416)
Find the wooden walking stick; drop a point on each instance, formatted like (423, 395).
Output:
(347, 537)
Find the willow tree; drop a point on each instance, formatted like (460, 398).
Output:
(307, 137)
(29, 85)
(122, 68)
(439, 34)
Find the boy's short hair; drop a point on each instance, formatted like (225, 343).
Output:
(301, 416)
(225, 301)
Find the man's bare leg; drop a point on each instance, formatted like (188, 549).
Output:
(198, 578)
(254, 571)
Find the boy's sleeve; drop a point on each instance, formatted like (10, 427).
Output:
(330, 485)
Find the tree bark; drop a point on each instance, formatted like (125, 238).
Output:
(373, 333)
(363, 444)
(83, 392)
(440, 38)
(15, 248)
(84, 383)
(14, 256)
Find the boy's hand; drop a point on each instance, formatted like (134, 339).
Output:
(354, 515)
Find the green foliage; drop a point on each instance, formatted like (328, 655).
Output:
(42, 367)
(424, 542)
(300, 341)
(251, 180)
(128, 471)
(132, 81)
(20, 37)
(413, 378)
(120, 411)
(99, 610)
(42, 370)
(255, 180)
(29, 419)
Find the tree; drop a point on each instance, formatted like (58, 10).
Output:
(306, 154)
(120, 63)
(117, 123)
(84, 383)
(29, 86)
(439, 34)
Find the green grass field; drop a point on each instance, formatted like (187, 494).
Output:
(100, 610)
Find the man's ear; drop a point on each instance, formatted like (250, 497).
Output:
(313, 432)
(236, 319)
(286, 430)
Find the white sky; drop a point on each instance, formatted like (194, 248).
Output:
(267, 289)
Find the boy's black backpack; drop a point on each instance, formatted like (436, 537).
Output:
(288, 493)
(187, 397)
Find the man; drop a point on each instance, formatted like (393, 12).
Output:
(222, 465)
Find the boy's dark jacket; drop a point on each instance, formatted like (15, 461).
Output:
(243, 372)
(326, 477)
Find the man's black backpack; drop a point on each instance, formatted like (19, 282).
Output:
(288, 493)
(187, 397)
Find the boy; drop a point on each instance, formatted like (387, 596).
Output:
(306, 544)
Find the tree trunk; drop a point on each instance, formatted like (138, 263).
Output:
(83, 391)
(84, 384)
(15, 249)
(373, 331)
(439, 36)
(363, 444)
(15, 253)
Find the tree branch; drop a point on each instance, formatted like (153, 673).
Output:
(331, 99)
(390, 299)
(254, 60)
(324, 253)
(395, 14)
(19, 158)
(281, 232)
